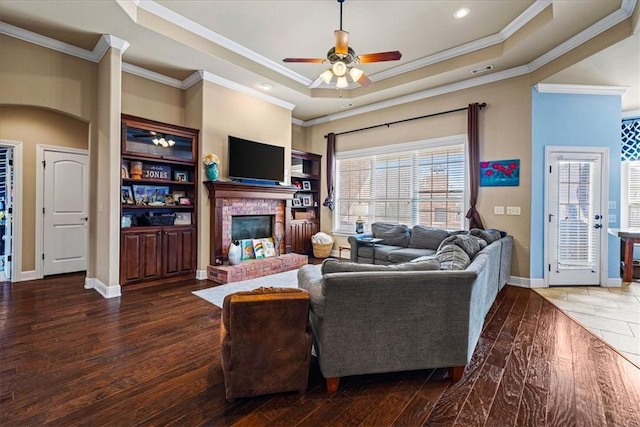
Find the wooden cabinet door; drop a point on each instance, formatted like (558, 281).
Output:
(301, 232)
(179, 251)
(140, 256)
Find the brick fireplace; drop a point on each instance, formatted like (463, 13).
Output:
(229, 199)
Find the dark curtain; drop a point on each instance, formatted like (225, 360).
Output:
(474, 164)
(331, 170)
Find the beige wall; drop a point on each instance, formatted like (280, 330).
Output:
(152, 100)
(505, 133)
(33, 126)
(226, 112)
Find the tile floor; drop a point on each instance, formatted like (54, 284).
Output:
(613, 314)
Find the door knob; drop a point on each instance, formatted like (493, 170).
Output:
(598, 216)
(86, 218)
(597, 226)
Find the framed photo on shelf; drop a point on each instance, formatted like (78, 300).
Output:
(149, 194)
(169, 200)
(127, 195)
(182, 218)
(185, 201)
(181, 176)
(177, 194)
(306, 185)
(125, 170)
(306, 201)
(296, 202)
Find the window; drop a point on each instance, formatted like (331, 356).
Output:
(630, 209)
(421, 182)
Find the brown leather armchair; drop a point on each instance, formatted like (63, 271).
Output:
(265, 341)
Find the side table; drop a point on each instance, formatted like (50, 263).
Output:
(370, 242)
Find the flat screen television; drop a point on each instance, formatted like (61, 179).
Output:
(252, 160)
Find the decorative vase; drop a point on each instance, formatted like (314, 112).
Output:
(136, 170)
(212, 172)
(235, 252)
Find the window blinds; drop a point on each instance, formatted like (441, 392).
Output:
(415, 184)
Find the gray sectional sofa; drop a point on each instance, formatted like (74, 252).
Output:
(422, 314)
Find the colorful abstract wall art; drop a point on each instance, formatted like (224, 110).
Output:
(500, 173)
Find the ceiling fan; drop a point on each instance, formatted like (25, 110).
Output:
(342, 58)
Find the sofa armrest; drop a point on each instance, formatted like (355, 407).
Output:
(354, 241)
(310, 279)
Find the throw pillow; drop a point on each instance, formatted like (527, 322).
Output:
(467, 243)
(452, 257)
(427, 237)
(488, 236)
(392, 234)
(335, 266)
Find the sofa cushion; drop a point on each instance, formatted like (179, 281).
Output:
(488, 236)
(334, 266)
(391, 233)
(467, 243)
(382, 252)
(427, 237)
(452, 257)
(408, 254)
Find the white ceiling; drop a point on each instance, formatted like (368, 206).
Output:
(244, 42)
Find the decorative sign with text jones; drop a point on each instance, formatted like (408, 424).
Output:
(151, 171)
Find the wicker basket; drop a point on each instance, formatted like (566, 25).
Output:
(322, 250)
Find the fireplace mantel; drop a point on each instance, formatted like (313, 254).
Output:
(236, 190)
(219, 191)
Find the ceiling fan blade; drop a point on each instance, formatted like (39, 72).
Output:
(316, 60)
(364, 81)
(342, 42)
(380, 57)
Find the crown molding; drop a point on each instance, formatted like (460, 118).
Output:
(628, 6)
(217, 38)
(297, 121)
(220, 81)
(630, 114)
(526, 16)
(581, 89)
(151, 75)
(429, 93)
(580, 38)
(104, 43)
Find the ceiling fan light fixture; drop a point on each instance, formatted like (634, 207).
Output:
(326, 76)
(339, 68)
(342, 82)
(355, 73)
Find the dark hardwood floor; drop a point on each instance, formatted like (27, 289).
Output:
(151, 357)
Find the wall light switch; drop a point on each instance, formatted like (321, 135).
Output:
(612, 204)
(513, 210)
(612, 218)
(498, 210)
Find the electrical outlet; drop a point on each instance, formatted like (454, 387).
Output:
(498, 210)
(612, 218)
(513, 210)
(612, 204)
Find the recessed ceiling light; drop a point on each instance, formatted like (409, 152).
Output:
(266, 86)
(461, 13)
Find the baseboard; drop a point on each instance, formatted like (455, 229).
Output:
(101, 288)
(613, 283)
(526, 282)
(201, 274)
(23, 276)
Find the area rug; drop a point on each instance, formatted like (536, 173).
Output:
(215, 295)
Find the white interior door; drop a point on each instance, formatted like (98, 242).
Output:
(574, 218)
(65, 212)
